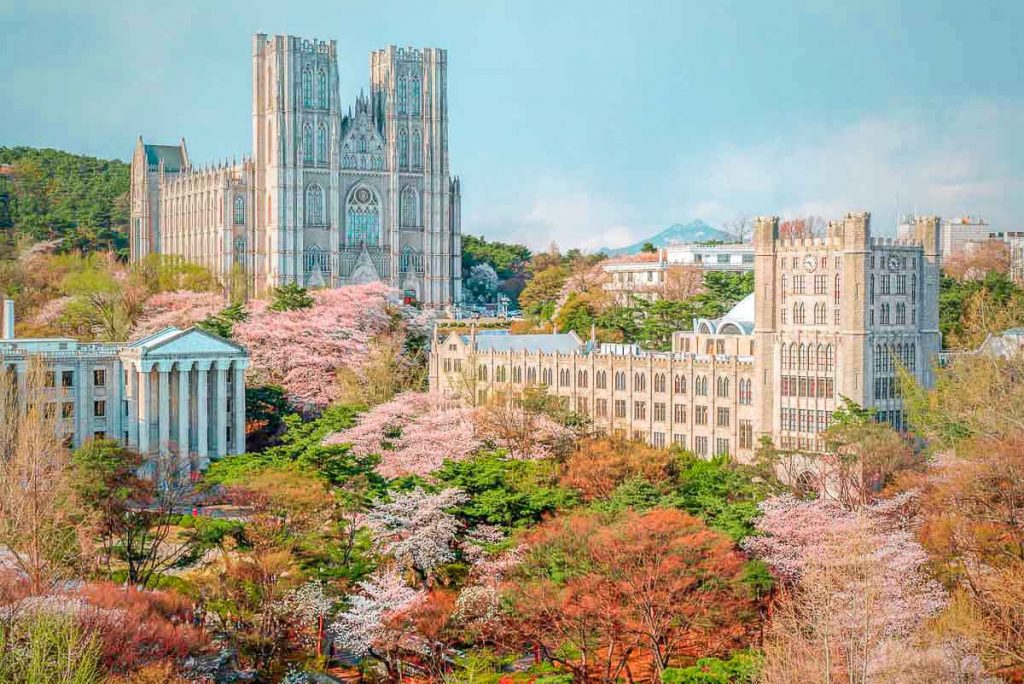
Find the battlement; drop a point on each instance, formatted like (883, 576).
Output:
(284, 42)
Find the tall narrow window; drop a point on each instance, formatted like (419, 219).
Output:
(307, 88)
(321, 144)
(417, 95)
(403, 95)
(403, 149)
(410, 207)
(239, 255)
(321, 89)
(307, 144)
(362, 217)
(417, 150)
(314, 205)
(239, 211)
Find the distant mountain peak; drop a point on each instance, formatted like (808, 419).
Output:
(694, 231)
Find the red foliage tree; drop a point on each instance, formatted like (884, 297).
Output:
(660, 584)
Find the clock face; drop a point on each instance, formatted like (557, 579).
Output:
(894, 262)
(810, 263)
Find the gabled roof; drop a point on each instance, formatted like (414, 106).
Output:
(170, 155)
(562, 343)
(174, 341)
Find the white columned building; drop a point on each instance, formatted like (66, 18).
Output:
(203, 418)
(177, 394)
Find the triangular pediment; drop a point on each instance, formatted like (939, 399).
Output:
(363, 271)
(175, 342)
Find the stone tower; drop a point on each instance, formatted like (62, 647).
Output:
(409, 100)
(296, 129)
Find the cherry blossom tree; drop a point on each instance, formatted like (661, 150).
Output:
(181, 309)
(858, 588)
(413, 434)
(303, 351)
(369, 626)
(417, 529)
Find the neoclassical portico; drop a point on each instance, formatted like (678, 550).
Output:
(185, 396)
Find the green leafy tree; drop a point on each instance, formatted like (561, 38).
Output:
(648, 248)
(222, 323)
(291, 297)
(77, 200)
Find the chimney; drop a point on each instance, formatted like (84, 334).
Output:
(8, 327)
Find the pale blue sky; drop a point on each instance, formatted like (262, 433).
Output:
(588, 122)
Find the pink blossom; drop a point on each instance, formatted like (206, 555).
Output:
(180, 309)
(416, 528)
(799, 536)
(414, 434)
(304, 350)
(382, 597)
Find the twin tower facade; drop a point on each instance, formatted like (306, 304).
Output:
(328, 197)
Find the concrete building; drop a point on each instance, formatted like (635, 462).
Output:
(328, 197)
(176, 393)
(955, 234)
(829, 318)
(645, 275)
(737, 256)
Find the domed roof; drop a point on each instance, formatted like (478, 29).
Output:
(743, 312)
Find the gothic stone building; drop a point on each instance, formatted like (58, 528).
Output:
(328, 197)
(829, 318)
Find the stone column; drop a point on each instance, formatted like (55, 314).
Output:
(164, 407)
(183, 414)
(143, 401)
(132, 392)
(202, 412)
(220, 406)
(238, 431)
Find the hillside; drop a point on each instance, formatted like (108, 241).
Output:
(694, 231)
(81, 201)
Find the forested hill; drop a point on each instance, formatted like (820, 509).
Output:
(47, 194)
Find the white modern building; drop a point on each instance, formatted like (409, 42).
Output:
(177, 393)
(645, 275)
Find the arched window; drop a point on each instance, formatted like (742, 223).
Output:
(362, 217)
(409, 261)
(581, 378)
(601, 380)
(362, 143)
(784, 361)
(321, 144)
(403, 149)
(722, 387)
(679, 384)
(700, 386)
(307, 88)
(316, 259)
(620, 381)
(835, 290)
(410, 207)
(809, 358)
(517, 374)
(798, 313)
(639, 382)
(314, 205)
(403, 95)
(782, 288)
(417, 150)
(659, 382)
(746, 395)
(321, 88)
(830, 358)
(307, 144)
(417, 95)
(798, 362)
(239, 211)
